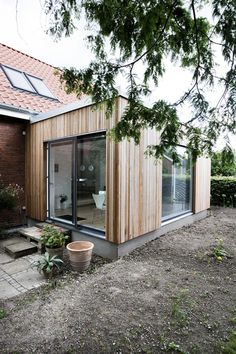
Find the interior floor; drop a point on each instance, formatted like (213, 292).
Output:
(88, 215)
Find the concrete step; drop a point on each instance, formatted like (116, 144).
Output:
(9, 241)
(20, 248)
(32, 234)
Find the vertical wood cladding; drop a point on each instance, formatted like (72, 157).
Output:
(202, 184)
(133, 182)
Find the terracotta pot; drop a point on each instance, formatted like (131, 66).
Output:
(80, 253)
(56, 251)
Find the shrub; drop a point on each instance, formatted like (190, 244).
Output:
(52, 237)
(9, 196)
(223, 191)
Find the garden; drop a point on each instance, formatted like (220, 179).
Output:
(174, 295)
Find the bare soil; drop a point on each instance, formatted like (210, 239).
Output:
(169, 296)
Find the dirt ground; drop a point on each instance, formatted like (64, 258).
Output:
(169, 296)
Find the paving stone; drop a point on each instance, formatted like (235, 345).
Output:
(31, 232)
(9, 241)
(7, 290)
(17, 266)
(29, 279)
(5, 258)
(20, 249)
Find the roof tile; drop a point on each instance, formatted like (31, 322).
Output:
(27, 100)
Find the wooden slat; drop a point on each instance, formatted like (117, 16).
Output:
(202, 180)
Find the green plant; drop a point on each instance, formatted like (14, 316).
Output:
(3, 313)
(52, 237)
(230, 346)
(63, 198)
(223, 191)
(219, 252)
(177, 311)
(48, 264)
(9, 195)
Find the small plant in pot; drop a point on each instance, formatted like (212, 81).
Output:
(49, 265)
(63, 199)
(54, 240)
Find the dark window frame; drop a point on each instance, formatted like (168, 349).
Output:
(73, 224)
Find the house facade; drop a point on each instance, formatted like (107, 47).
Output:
(106, 192)
(27, 87)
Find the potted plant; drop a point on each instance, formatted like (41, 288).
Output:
(48, 265)
(63, 199)
(53, 239)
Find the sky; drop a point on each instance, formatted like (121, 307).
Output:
(23, 27)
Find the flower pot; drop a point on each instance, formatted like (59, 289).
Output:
(80, 253)
(55, 252)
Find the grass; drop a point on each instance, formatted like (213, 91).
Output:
(230, 346)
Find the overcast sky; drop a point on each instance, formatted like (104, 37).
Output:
(24, 29)
(23, 26)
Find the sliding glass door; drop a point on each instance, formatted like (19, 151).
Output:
(91, 181)
(61, 180)
(77, 181)
(176, 186)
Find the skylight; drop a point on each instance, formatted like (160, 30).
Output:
(40, 86)
(18, 79)
(27, 82)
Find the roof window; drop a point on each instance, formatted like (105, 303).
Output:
(27, 82)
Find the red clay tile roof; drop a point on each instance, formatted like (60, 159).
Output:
(26, 100)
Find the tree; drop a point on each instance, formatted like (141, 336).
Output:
(223, 163)
(149, 31)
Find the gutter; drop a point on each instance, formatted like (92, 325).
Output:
(12, 111)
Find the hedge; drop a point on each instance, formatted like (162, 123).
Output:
(223, 191)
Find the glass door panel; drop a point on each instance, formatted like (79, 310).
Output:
(176, 186)
(91, 181)
(60, 180)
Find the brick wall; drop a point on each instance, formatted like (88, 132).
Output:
(12, 163)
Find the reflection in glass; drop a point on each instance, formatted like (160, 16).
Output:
(60, 180)
(91, 181)
(176, 186)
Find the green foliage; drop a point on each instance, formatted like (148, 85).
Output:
(223, 191)
(52, 237)
(48, 264)
(223, 163)
(178, 310)
(230, 346)
(151, 32)
(9, 195)
(3, 313)
(219, 252)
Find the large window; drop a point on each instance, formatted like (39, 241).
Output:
(176, 186)
(77, 181)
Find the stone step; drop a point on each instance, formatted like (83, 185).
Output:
(20, 249)
(9, 241)
(32, 234)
